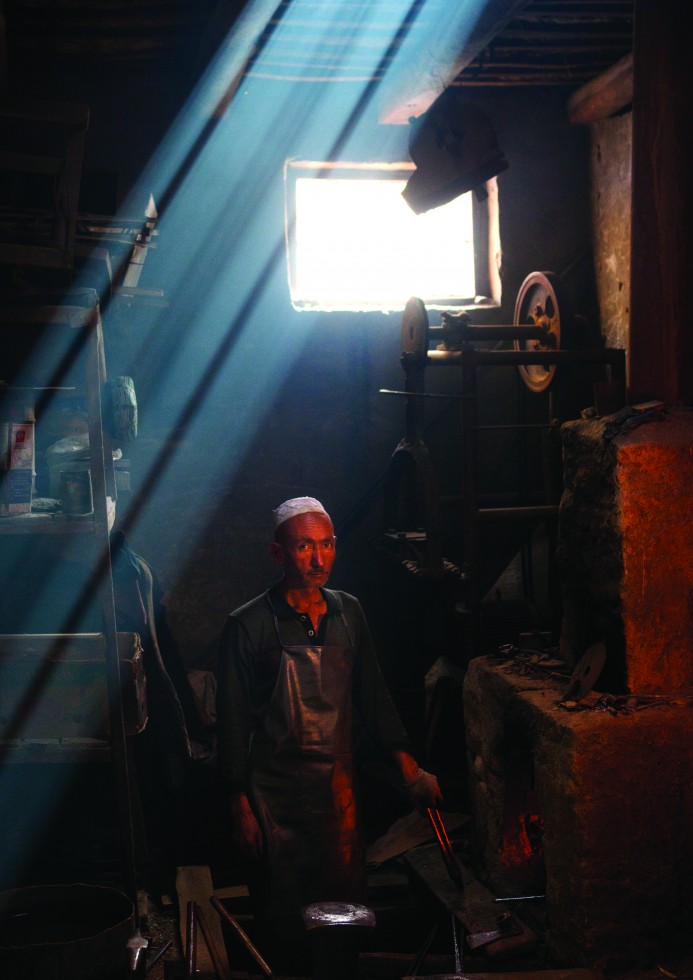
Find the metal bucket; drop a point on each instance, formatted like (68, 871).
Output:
(64, 932)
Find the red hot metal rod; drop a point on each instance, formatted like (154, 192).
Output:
(445, 847)
(247, 942)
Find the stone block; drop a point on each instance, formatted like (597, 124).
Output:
(612, 801)
(625, 550)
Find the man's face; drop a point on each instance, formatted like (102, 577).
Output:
(305, 550)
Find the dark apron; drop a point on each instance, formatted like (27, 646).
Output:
(301, 779)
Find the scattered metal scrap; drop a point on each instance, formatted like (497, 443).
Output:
(531, 663)
(626, 704)
(585, 673)
(527, 661)
(544, 664)
(631, 417)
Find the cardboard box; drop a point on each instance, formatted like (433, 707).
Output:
(17, 459)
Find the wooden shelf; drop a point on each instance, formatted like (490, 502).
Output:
(46, 524)
(54, 751)
(68, 709)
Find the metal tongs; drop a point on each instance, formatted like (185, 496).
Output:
(451, 863)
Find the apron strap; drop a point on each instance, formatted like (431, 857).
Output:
(341, 614)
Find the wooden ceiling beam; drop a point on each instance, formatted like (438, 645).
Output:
(603, 96)
(437, 62)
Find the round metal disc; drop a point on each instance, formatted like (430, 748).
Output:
(586, 672)
(540, 302)
(415, 327)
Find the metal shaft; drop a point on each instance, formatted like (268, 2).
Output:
(245, 938)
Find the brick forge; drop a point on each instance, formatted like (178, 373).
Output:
(625, 551)
(595, 808)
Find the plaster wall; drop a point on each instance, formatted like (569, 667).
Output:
(611, 168)
(239, 410)
(323, 428)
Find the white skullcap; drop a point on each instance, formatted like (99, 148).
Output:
(297, 505)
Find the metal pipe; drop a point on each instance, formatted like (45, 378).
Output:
(456, 947)
(158, 954)
(446, 850)
(190, 942)
(245, 938)
(435, 358)
(210, 944)
(520, 898)
(494, 331)
(470, 482)
(418, 394)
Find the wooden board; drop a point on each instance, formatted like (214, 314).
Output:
(194, 884)
(409, 831)
(474, 906)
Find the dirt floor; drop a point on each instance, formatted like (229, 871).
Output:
(163, 927)
(406, 917)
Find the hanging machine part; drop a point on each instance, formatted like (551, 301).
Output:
(542, 316)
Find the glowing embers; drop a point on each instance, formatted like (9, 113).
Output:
(522, 825)
(355, 245)
(525, 841)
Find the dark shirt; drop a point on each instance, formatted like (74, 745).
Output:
(250, 656)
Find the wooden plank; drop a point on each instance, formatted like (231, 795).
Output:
(69, 114)
(474, 906)
(661, 286)
(54, 751)
(66, 647)
(194, 884)
(31, 163)
(412, 829)
(72, 316)
(577, 974)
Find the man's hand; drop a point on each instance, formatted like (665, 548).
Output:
(420, 786)
(245, 829)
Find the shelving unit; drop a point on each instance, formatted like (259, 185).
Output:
(68, 324)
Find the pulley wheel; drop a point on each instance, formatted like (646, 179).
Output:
(540, 303)
(415, 328)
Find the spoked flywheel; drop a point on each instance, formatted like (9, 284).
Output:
(541, 302)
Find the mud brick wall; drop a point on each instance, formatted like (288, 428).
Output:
(614, 794)
(625, 551)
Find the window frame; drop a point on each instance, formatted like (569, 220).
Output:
(485, 229)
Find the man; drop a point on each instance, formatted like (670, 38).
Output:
(299, 685)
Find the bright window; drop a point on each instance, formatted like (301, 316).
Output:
(354, 244)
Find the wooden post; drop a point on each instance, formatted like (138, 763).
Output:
(661, 334)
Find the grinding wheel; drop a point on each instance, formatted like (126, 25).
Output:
(541, 302)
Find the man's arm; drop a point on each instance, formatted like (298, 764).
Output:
(245, 830)
(234, 709)
(383, 722)
(420, 786)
